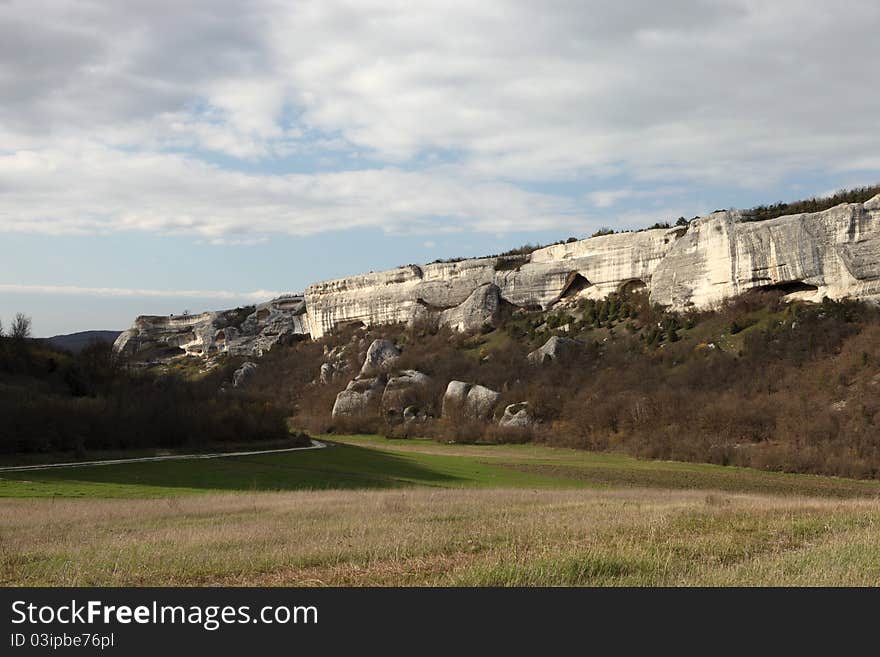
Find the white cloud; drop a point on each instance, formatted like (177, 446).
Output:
(73, 290)
(100, 99)
(87, 188)
(605, 198)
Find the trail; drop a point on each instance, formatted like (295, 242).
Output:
(316, 444)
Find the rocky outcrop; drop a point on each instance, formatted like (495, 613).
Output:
(556, 347)
(245, 331)
(834, 253)
(591, 267)
(481, 308)
(469, 400)
(360, 397)
(381, 357)
(243, 374)
(336, 362)
(404, 391)
(516, 416)
(374, 388)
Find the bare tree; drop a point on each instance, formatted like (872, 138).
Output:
(21, 327)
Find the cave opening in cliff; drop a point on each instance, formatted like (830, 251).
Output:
(631, 286)
(788, 287)
(574, 284)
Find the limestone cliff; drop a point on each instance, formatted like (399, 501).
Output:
(834, 253)
(242, 331)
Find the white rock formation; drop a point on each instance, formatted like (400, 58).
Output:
(360, 397)
(380, 358)
(555, 347)
(468, 400)
(516, 416)
(482, 307)
(404, 390)
(242, 331)
(835, 253)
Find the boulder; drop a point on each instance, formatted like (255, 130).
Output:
(243, 374)
(380, 358)
(360, 397)
(469, 400)
(555, 347)
(483, 306)
(404, 390)
(516, 415)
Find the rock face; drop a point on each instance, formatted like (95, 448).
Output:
(516, 416)
(834, 253)
(242, 331)
(555, 347)
(243, 373)
(472, 401)
(482, 307)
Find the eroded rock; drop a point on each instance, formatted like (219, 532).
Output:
(469, 400)
(380, 358)
(243, 374)
(516, 416)
(555, 348)
(404, 390)
(246, 331)
(481, 308)
(835, 253)
(360, 397)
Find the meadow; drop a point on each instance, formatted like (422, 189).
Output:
(372, 511)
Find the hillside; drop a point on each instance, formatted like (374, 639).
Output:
(76, 342)
(760, 382)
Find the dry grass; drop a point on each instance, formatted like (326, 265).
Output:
(442, 537)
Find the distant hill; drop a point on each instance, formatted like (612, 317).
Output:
(76, 342)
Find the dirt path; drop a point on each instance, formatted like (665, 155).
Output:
(316, 444)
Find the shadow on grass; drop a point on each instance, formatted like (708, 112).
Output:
(342, 466)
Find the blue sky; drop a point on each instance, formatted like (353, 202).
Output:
(161, 156)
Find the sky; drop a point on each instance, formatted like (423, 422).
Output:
(158, 156)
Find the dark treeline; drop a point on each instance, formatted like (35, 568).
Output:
(52, 400)
(815, 204)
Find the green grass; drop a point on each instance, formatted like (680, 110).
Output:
(343, 466)
(371, 462)
(417, 512)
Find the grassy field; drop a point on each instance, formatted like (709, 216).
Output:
(374, 511)
(370, 462)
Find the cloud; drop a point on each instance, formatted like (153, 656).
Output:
(233, 121)
(604, 198)
(86, 189)
(72, 290)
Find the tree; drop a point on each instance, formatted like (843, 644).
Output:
(1, 328)
(21, 327)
